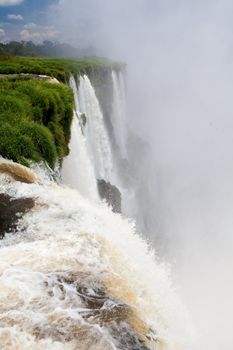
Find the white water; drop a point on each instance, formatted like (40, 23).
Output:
(77, 169)
(70, 249)
(95, 130)
(69, 245)
(118, 116)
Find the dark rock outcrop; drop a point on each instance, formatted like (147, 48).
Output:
(111, 194)
(11, 210)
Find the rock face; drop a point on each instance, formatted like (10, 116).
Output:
(47, 78)
(11, 210)
(111, 194)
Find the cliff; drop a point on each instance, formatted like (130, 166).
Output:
(36, 115)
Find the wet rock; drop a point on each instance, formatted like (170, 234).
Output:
(97, 307)
(46, 78)
(111, 194)
(82, 121)
(17, 171)
(11, 210)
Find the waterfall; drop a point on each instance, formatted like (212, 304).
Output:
(77, 170)
(74, 275)
(95, 130)
(118, 117)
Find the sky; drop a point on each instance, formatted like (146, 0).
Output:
(26, 20)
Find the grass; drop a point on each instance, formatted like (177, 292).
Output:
(58, 68)
(35, 119)
(36, 115)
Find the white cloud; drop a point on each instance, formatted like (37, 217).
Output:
(2, 32)
(15, 17)
(26, 35)
(40, 35)
(30, 25)
(10, 2)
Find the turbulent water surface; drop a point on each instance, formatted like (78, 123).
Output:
(74, 275)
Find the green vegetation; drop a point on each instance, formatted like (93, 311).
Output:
(56, 67)
(36, 114)
(35, 119)
(47, 48)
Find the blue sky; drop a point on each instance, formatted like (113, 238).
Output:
(26, 20)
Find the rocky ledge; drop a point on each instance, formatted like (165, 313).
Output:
(11, 210)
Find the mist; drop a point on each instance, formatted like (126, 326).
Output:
(179, 57)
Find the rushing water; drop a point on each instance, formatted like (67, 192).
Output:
(118, 117)
(95, 130)
(74, 275)
(77, 276)
(77, 170)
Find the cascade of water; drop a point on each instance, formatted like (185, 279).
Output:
(77, 170)
(76, 276)
(118, 117)
(95, 130)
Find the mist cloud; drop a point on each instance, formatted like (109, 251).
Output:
(180, 87)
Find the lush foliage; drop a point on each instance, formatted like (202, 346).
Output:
(35, 119)
(35, 114)
(58, 68)
(47, 48)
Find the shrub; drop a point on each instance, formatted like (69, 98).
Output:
(15, 146)
(42, 111)
(59, 139)
(13, 109)
(42, 139)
